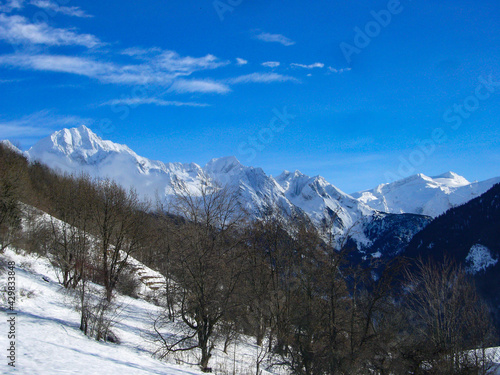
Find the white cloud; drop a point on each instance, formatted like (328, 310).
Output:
(10, 5)
(163, 73)
(154, 101)
(38, 124)
(58, 63)
(240, 61)
(275, 38)
(333, 70)
(140, 74)
(271, 64)
(11, 80)
(52, 6)
(310, 66)
(262, 78)
(171, 61)
(103, 71)
(18, 30)
(203, 86)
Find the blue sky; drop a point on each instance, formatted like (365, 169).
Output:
(359, 92)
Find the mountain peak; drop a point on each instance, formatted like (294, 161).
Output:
(84, 130)
(223, 165)
(80, 144)
(448, 174)
(451, 179)
(298, 173)
(286, 177)
(81, 137)
(420, 194)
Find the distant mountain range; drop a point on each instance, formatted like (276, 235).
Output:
(381, 220)
(424, 195)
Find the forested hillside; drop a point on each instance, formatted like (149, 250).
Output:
(276, 279)
(470, 234)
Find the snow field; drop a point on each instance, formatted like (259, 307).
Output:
(48, 339)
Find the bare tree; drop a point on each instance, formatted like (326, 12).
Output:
(206, 261)
(258, 283)
(305, 342)
(12, 183)
(117, 225)
(71, 241)
(162, 237)
(276, 245)
(97, 313)
(450, 324)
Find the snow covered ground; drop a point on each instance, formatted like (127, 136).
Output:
(495, 355)
(48, 339)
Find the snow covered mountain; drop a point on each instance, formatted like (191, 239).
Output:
(79, 150)
(423, 195)
(368, 216)
(323, 201)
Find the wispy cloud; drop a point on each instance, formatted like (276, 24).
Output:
(262, 78)
(150, 66)
(310, 66)
(271, 64)
(107, 72)
(18, 30)
(171, 61)
(274, 38)
(10, 5)
(167, 70)
(153, 101)
(38, 124)
(334, 70)
(163, 73)
(53, 6)
(204, 86)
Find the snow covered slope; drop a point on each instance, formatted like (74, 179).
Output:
(423, 195)
(48, 339)
(8, 144)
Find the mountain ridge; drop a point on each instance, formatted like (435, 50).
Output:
(80, 150)
(431, 196)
